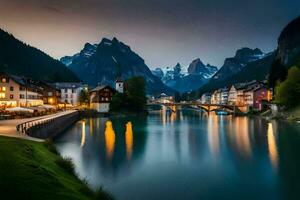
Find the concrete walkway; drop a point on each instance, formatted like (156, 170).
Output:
(8, 127)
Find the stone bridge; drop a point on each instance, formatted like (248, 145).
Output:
(206, 107)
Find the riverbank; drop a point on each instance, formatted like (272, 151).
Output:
(34, 170)
(292, 115)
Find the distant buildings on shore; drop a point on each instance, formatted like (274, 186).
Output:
(251, 94)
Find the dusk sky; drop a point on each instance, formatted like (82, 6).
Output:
(163, 32)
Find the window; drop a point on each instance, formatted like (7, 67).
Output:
(66, 90)
(4, 80)
(66, 96)
(3, 89)
(11, 96)
(2, 95)
(11, 88)
(71, 101)
(22, 96)
(22, 88)
(73, 91)
(50, 94)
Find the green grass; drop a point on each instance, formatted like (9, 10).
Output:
(32, 170)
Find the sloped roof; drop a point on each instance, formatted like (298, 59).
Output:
(100, 87)
(66, 85)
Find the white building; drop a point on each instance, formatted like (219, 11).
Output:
(224, 95)
(206, 98)
(119, 85)
(70, 92)
(232, 95)
(216, 97)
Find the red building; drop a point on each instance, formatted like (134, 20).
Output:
(254, 97)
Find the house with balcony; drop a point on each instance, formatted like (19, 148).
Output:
(51, 94)
(256, 95)
(17, 91)
(100, 98)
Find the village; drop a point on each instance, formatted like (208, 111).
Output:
(21, 94)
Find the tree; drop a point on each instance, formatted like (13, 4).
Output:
(117, 102)
(177, 97)
(134, 97)
(288, 91)
(84, 97)
(136, 93)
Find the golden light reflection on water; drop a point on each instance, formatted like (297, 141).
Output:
(168, 114)
(213, 134)
(83, 134)
(91, 128)
(110, 138)
(129, 140)
(243, 142)
(272, 147)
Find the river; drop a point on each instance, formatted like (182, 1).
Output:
(187, 155)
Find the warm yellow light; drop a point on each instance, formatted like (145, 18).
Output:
(110, 138)
(83, 134)
(50, 100)
(2, 95)
(129, 140)
(273, 153)
(3, 89)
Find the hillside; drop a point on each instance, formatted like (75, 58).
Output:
(19, 58)
(288, 52)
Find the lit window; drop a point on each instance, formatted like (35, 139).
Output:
(2, 95)
(4, 80)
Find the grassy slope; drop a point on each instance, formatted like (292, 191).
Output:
(28, 171)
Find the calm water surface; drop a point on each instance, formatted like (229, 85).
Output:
(187, 155)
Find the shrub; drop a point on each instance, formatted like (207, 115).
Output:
(288, 91)
(67, 164)
(50, 146)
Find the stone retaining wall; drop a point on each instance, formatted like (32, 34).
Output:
(53, 127)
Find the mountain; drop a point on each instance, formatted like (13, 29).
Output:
(256, 70)
(198, 68)
(196, 75)
(158, 72)
(87, 51)
(246, 65)
(103, 63)
(21, 59)
(288, 52)
(235, 64)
